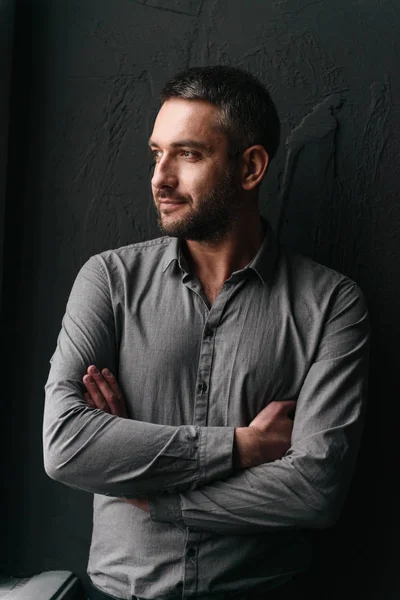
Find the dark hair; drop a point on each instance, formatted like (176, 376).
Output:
(247, 113)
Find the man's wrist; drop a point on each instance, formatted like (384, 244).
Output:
(245, 448)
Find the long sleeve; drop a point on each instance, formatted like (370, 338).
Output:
(98, 452)
(307, 487)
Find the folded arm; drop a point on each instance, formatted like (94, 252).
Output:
(307, 487)
(266, 439)
(90, 445)
(99, 452)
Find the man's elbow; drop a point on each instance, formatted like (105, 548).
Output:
(64, 463)
(63, 455)
(55, 466)
(322, 514)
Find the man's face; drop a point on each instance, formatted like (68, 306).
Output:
(194, 185)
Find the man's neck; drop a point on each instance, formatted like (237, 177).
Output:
(214, 263)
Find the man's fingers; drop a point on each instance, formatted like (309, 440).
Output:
(275, 410)
(112, 382)
(109, 390)
(289, 407)
(116, 399)
(279, 407)
(89, 400)
(95, 394)
(286, 403)
(282, 407)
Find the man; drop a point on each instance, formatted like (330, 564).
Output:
(182, 362)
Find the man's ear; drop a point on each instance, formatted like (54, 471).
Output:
(255, 161)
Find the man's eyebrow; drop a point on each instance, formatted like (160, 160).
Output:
(184, 144)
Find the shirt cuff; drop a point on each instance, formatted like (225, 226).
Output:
(215, 462)
(215, 453)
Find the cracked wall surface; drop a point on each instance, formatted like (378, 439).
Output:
(84, 100)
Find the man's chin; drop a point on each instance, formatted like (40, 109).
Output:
(178, 230)
(170, 227)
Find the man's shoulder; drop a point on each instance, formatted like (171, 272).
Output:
(310, 278)
(152, 246)
(145, 253)
(305, 266)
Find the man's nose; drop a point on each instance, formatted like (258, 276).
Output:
(164, 175)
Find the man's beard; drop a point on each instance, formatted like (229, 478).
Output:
(212, 219)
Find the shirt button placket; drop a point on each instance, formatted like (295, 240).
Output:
(190, 584)
(203, 378)
(203, 390)
(202, 387)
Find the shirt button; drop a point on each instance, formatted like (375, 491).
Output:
(208, 333)
(202, 387)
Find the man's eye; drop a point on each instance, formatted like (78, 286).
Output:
(155, 155)
(189, 154)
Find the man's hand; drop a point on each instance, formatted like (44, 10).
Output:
(103, 392)
(268, 436)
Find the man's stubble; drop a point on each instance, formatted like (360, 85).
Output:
(213, 217)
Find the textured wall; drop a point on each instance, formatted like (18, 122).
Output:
(6, 44)
(84, 99)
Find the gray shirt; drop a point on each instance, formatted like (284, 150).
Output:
(282, 328)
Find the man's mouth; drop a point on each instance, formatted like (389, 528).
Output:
(168, 206)
(171, 201)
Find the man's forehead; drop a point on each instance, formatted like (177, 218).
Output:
(180, 119)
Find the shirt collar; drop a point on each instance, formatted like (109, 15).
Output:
(264, 261)
(262, 264)
(172, 253)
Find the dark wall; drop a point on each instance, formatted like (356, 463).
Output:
(84, 98)
(6, 47)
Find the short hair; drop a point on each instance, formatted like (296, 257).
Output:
(247, 116)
